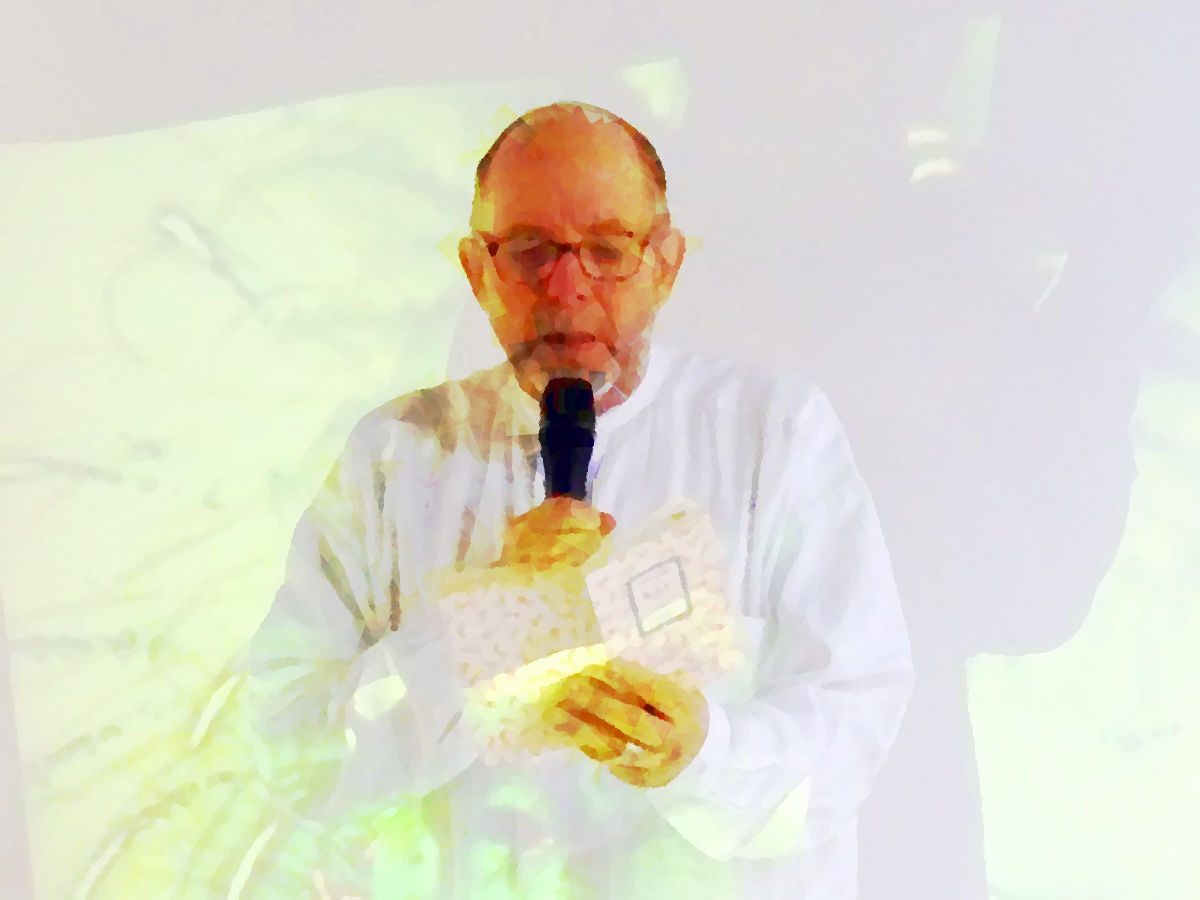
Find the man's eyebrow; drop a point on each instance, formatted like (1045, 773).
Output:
(603, 227)
(522, 227)
(610, 226)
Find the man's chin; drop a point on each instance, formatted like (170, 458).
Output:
(588, 356)
(591, 360)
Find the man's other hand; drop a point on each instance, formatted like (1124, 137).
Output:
(560, 533)
(644, 727)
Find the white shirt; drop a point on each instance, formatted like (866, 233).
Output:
(768, 806)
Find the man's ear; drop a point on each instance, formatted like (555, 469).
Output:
(470, 257)
(669, 257)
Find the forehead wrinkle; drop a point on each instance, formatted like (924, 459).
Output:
(560, 198)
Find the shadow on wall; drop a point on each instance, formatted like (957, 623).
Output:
(980, 332)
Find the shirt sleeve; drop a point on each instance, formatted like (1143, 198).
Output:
(351, 692)
(787, 770)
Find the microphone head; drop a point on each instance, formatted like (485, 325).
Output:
(568, 433)
(569, 401)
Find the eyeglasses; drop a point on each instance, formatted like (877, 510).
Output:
(526, 257)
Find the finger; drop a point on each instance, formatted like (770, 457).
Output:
(596, 749)
(556, 557)
(617, 680)
(645, 773)
(596, 739)
(631, 677)
(607, 523)
(617, 700)
(573, 514)
(552, 543)
(637, 695)
(637, 685)
(582, 544)
(642, 768)
(597, 743)
(635, 775)
(628, 720)
(573, 550)
(570, 525)
(558, 510)
(540, 519)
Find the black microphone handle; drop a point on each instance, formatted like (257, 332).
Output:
(568, 434)
(566, 454)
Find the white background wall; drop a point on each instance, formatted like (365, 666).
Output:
(973, 224)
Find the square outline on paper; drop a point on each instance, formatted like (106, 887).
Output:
(687, 598)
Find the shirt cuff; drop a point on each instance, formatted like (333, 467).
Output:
(698, 774)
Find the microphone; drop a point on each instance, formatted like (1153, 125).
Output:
(567, 433)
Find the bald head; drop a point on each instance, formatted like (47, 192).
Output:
(581, 123)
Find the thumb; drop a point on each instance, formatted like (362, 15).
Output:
(607, 523)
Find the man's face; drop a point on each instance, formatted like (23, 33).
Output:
(572, 182)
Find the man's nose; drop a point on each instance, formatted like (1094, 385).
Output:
(566, 282)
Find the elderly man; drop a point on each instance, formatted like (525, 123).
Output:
(571, 255)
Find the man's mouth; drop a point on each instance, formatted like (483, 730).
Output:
(568, 338)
